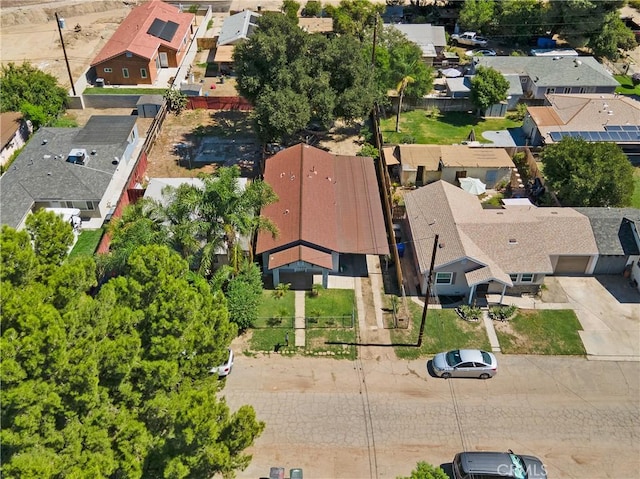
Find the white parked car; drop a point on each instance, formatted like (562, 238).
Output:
(224, 369)
(465, 363)
(485, 52)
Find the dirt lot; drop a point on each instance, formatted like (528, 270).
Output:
(29, 32)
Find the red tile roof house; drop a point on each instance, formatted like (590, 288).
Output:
(154, 35)
(329, 216)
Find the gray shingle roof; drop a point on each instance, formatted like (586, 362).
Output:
(511, 240)
(237, 27)
(613, 229)
(547, 72)
(428, 37)
(41, 172)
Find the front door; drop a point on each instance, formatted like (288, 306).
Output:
(164, 60)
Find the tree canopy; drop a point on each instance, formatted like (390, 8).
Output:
(115, 385)
(488, 87)
(354, 17)
(477, 15)
(294, 78)
(588, 174)
(31, 91)
(424, 470)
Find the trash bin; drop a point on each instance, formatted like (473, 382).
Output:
(400, 247)
(276, 473)
(99, 82)
(295, 473)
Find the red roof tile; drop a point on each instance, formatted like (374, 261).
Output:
(131, 35)
(300, 253)
(324, 200)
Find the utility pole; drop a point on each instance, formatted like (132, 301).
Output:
(375, 39)
(428, 294)
(73, 88)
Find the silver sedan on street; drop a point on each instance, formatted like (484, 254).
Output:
(465, 363)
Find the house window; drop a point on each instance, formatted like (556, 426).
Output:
(514, 278)
(444, 278)
(460, 174)
(125, 72)
(108, 70)
(128, 54)
(582, 90)
(523, 80)
(143, 73)
(526, 278)
(550, 90)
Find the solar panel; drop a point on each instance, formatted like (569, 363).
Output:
(156, 27)
(598, 136)
(613, 128)
(614, 135)
(629, 127)
(574, 134)
(556, 136)
(168, 31)
(624, 136)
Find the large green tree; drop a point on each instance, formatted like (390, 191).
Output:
(488, 87)
(354, 17)
(31, 91)
(612, 37)
(294, 78)
(588, 174)
(196, 221)
(116, 385)
(519, 21)
(477, 15)
(579, 20)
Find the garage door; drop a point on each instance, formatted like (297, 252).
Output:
(572, 264)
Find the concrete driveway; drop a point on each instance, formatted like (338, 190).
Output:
(609, 311)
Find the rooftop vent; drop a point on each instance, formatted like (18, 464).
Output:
(77, 156)
(513, 241)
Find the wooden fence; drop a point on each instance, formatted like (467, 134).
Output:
(219, 103)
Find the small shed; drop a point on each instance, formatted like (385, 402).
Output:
(149, 105)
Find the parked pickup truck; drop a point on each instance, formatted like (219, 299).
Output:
(468, 38)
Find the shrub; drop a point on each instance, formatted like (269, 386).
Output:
(470, 313)
(502, 313)
(519, 114)
(312, 9)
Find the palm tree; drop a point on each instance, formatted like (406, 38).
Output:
(402, 86)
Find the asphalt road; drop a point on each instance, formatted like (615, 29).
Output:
(376, 419)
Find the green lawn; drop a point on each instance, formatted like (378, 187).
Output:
(635, 199)
(448, 128)
(547, 331)
(272, 339)
(444, 330)
(330, 302)
(270, 306)
(626, 87)
(87, 243)
(124, 91)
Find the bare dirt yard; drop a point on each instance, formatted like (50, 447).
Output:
(29, 32)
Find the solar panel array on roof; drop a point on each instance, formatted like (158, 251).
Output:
(163, 30)
(169, 31)
(156, 27)
(615, 133)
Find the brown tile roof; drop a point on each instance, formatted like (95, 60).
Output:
(328, 201)
(9, 125)
(131, 35)
(430, 156)
(300, 253)
(508, 240)
(460, 155)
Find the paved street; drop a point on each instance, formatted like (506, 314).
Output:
(376, 419)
